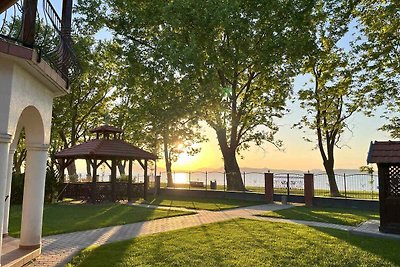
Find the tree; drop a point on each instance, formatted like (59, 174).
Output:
(159, 114)
(240, 55)
(379, 49)
(367, 169)
(335, 94)
(82, 109)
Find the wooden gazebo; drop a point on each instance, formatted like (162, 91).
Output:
(108, 146)
(387, 156)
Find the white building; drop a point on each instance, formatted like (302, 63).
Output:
(28, 85)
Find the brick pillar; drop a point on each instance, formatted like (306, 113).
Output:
(308, 189)
(269, 187)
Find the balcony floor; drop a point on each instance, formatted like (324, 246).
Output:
(13, 256)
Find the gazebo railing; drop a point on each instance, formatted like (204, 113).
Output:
(82, 191)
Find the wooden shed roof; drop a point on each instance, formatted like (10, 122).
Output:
(384, 152)
(105, 149)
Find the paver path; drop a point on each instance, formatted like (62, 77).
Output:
(57, 250)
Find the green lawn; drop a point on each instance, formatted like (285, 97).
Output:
(328, 215)
(203, 204)
(65, 218)
(245, 243)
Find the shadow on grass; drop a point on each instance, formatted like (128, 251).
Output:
(387, 249)
(201, 203)
(326, 215)
(60, 218)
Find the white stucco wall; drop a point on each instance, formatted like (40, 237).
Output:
(20, 90)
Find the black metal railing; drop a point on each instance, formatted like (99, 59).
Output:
(51, 38)
(289, 184)
(357, 185)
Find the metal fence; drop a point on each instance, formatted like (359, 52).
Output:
(358, 185)
(289, 184)
(253, 181)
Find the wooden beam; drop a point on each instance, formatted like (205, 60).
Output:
(113, 180)
(5, 4)
(29, 22)
(130, 181)
(146, 181)
(66, 16)
(141, 163)
(94, 181)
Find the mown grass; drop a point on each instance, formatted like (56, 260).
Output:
(213, 204)
(64, 218)
(245, 243)
(328, 215)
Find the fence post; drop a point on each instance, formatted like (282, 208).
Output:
(206, 180)
(158, 184)
(190, 174)
(269, 187)
(244, 179)
(288, 184)
(224, 181)
(308, 189)
(345, 185)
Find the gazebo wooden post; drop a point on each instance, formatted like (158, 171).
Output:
(146, 180)
(62, 170)
(130, 181)
(94, 181)
(113, 179)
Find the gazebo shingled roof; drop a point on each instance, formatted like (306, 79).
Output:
(107, 145)
(103, 148)
(384, 152)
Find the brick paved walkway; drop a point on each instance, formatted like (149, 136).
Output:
(57, 250)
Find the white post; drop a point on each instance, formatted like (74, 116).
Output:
(8, 192)
(5, 141)
(32, 206)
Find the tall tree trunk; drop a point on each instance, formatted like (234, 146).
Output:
(233, 176)
(88, 168)
(167, 159)
(328, 165)
(19, 159)
(121, 168)
(72, 171)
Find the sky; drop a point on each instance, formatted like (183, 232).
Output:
(296, 154)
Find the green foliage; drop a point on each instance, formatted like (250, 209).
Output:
(245, 243)
(326, 215)
(378, 47)
(17, 188)
(236, 58)
(367, 169)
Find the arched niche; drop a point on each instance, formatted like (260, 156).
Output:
(30, 120)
